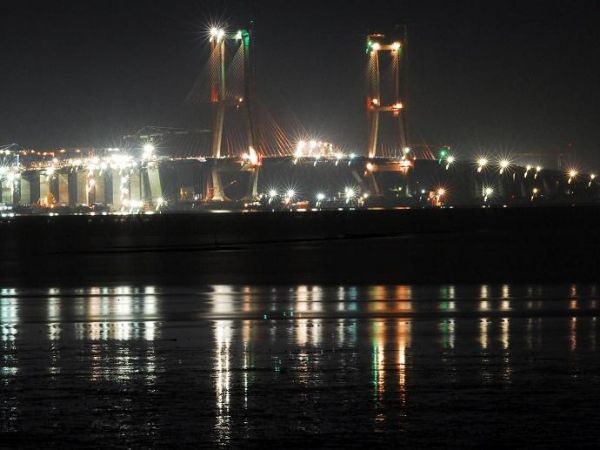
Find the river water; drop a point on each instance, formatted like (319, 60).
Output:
(300, 366)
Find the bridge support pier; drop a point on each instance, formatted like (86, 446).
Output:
(81, 182)
(25, 190)
(7, 187)
(45, 188)
(155, 193)
(252, 193)
(63, 188)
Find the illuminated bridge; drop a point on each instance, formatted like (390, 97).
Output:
(247, 160)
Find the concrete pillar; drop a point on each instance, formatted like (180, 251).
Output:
(25, 191)
(154, 183)
(63, 188)
(82, 187)
(99, 187)
(7, 192)
(218, 193)
(44, 187)
(120, 188)
(135, 185)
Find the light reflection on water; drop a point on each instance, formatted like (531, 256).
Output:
(238, 353)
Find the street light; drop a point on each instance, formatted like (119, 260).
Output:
(504, 164)
(487, 192)
(481, 163)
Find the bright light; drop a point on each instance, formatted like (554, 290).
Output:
(538, 169)
(488, 191)
(481, 163)
(50, 171)
(320, 196)
(290, 194)
(406, 150)
(535, 190)
(395, 46)
(504, 164)
(148, 150)
(441, 192)
(251, 156)
(592, 176)
(376, 46)
(370, 167)
(572, 174)
(272, 193)
(375, 101)
(216, 33)
(299, 152)
(450, 159)
(350, 193)
(398, 105)
(238, 35)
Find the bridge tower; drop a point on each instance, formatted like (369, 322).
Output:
(220, 100)
(376, 45)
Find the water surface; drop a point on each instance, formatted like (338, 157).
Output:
(300, 366)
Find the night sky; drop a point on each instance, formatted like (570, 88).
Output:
(498, 76)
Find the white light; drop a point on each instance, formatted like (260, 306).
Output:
(148, 150)
(376, 46)
(350, 193)
(450, 159)
(396, 46)
(320, 196)
(290, 194)
(488, 191)
(272, 193)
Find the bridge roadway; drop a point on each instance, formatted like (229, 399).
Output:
(185, 180)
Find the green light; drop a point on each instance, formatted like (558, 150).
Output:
(443, 153)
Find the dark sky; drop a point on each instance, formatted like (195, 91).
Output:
(490, 75)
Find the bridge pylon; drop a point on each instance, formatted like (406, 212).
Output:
(376, 45)
(220, 100)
